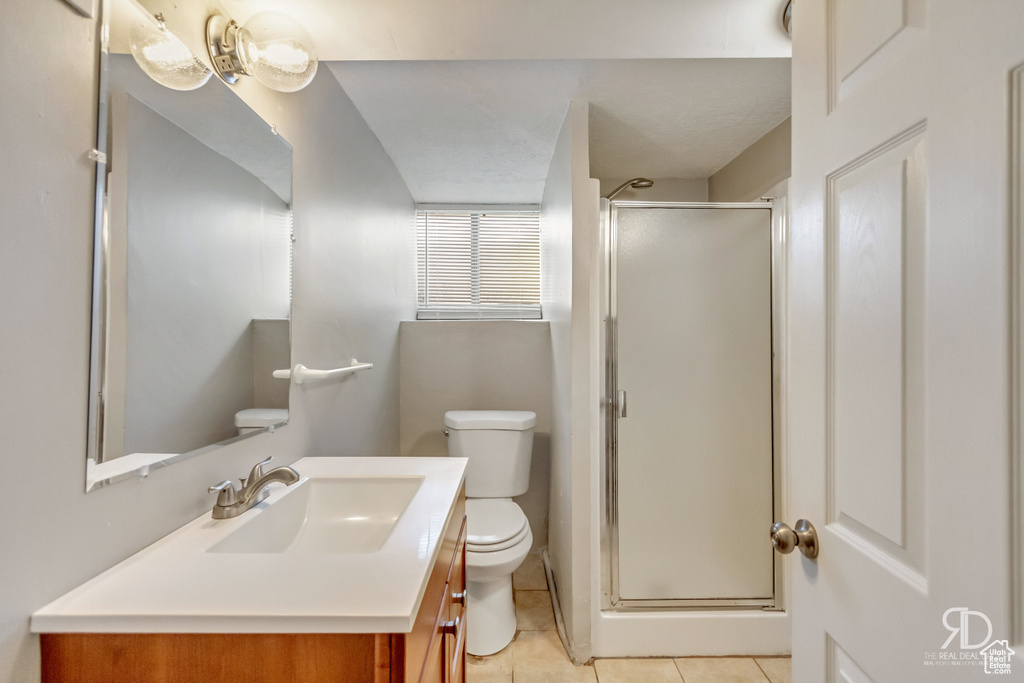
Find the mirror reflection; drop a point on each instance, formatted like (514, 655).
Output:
(193, 301)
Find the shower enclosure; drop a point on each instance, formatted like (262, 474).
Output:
(689, 474)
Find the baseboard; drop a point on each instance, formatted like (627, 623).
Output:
(557, 609)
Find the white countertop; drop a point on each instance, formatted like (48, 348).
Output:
(176, 586)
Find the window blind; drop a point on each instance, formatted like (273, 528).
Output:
(478, 265)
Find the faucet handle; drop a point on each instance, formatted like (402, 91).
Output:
(226, 493)
(256, 472)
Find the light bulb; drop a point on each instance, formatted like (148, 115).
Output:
(164, 58)
(277, 51)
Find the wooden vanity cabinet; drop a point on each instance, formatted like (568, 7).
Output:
(433, 652)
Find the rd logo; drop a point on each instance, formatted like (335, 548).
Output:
(958, 620)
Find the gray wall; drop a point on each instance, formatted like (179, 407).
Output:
(350, 211)
(556, 251)
(569, 249)
(198, 225)
(756, 169)
(478, 365)
(354, 275)
(271, 350)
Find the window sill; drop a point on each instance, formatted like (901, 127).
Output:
(464, 314)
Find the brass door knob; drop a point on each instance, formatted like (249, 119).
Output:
(803, 536)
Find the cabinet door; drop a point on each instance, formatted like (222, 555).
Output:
(455, 636)
(446, 654)
(435, 670)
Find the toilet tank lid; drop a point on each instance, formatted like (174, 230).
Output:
(260, 417)
(513, 420)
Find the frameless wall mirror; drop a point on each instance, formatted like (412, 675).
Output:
(192, 269)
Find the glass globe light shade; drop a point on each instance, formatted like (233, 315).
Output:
(164, 58)
(277, 51)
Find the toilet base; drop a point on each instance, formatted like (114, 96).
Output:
(490, 611)
(491, 616)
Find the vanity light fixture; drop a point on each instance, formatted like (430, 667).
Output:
(163, 56)
(272, 47)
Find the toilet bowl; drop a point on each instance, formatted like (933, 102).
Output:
(499, 446)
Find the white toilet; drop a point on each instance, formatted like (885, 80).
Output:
(499, 445)
(251, 419)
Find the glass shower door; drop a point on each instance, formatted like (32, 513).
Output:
(691, 377)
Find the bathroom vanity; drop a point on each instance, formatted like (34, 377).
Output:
(355, 573)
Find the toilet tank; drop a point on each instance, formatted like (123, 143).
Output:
(499, 445)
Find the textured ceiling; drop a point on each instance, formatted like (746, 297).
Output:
(475, 132)
(680, 118)
(484, 131)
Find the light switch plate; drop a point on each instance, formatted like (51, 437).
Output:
(84, 7)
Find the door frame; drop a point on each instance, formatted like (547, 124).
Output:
(779, 241)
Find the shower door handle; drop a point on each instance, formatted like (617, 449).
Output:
(620, 402)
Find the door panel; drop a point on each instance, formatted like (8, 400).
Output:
(841, 666)
(694, 454)
(874, 275)
(868, 38)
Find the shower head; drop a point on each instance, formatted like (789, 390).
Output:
(635, 183)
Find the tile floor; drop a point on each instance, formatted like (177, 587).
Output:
(536, 654)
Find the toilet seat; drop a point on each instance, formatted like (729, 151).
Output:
(494, 524)
(495, 547)
(490, 566)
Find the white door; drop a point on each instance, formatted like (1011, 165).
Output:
(901, 373)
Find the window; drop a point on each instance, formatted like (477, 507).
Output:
(477, 264)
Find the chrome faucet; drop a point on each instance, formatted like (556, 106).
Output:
(232, 502)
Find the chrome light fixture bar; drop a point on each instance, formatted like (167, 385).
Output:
(222, 41)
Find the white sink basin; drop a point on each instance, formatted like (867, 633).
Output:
(339, 515)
